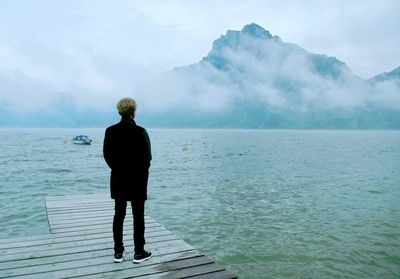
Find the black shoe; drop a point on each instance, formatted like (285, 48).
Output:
(138, 258)
(119, 258)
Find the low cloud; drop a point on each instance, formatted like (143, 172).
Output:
(279, 76)
(89, 56)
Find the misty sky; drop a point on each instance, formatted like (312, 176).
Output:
(95, 46)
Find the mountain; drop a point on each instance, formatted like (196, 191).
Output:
(257, 43)
(390, 76)
(252, 79)
(249, 79)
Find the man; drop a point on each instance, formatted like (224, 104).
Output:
(127, 152)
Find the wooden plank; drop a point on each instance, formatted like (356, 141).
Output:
(90, 222)
(81, 246)
(84, 215)
(127, 230)
(87, 202)
(59, 219)
(78, 216)
(106, 215)
(91, 231)
(158, 248)
(95, 216)
(77, 249)
(80, 213)
(113, 268)
(59, 206)
(58, 238)
(109, 217)
(87, 209)
(73, 243)
(63, 213)
(84, 221)
(56, 205)
(163, 268)
(80, 206)
(84, 261)
(224, 274)
(187, 272)
(92, 227)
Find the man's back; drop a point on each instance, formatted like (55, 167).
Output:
(127, 152)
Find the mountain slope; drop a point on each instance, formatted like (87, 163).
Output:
(390, 76)
(253, 79)
(249, 79)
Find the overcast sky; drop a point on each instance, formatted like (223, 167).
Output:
(103, 47)
(159, 35)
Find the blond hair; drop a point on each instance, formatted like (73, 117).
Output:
(126, 107)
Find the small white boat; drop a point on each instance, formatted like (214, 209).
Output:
(81, 139)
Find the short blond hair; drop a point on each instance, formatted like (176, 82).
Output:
(126, 107)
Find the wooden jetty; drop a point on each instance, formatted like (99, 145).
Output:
(80, 245)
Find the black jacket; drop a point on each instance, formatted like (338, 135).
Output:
(127, 152)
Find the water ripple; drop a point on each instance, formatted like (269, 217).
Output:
(266, 204)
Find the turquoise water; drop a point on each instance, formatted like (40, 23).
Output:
(265, 204)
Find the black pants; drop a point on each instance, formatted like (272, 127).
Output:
(138, 225)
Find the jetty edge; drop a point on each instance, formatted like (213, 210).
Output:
(80, 245)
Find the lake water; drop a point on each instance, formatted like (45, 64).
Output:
(263, 203)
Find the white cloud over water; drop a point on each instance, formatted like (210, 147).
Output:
(273, 74)
(90, 53)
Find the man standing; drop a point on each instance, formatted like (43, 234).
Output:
(127, 152)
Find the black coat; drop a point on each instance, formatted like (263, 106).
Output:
(127, 152)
